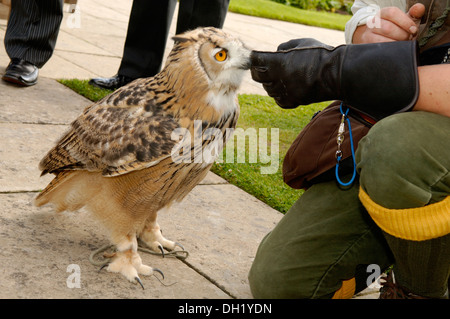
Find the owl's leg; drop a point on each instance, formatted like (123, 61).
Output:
(127, 261)
(153, 238)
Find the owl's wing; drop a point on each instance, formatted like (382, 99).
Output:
(114, 138)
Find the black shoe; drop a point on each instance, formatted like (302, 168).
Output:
(390, 289)
(112, 83)
(21, 72)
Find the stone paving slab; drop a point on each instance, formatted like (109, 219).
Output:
(222, 227)
(22, 146)
(48, 102)
(40, 250)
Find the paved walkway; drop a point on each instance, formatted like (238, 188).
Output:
(42, 253)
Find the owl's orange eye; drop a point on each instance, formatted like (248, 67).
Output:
(221, 55)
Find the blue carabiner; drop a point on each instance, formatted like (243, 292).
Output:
(352, 149)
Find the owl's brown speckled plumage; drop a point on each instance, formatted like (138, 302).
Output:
(116, 161)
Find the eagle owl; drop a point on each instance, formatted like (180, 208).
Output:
(116, 158)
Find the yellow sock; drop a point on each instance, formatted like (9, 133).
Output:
(347, 290)
(417, 224)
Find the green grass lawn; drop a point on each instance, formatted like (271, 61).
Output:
(257, 112)
(273, 10)
(262, 112)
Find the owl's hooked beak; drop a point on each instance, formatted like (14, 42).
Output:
(246, 65)
(247, 62)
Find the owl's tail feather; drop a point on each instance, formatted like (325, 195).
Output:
(61, 193)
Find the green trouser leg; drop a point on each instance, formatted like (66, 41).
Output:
(404, 163)
(318, 243)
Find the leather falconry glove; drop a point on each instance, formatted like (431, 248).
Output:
(376, 79)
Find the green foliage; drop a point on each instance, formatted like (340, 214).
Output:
(262, 112)
(272, 10)
(326, 5)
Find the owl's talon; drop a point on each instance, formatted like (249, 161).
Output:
(179, 245)
(103, 266)
(139, 281)
(162, 249)
(157, 270)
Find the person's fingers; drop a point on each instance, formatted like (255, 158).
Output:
(260, 65)
(289, 44)
(417, 11)
(399, 18)
(277, 91)
(375, 38)
(391, 30)
(272, 89)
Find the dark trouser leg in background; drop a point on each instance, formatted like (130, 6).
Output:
(32, 30)
(30, 38)
(144, 47)
(201, 13)
(147, 33)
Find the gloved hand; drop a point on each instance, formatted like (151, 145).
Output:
(376, 79)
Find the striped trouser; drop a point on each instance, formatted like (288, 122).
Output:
(32, 29)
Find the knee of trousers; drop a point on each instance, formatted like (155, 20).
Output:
(280, 272)
(401, 160)
(270, 280)
(404, 175)
(281, 276)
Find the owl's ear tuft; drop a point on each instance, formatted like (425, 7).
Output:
(182, 38)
